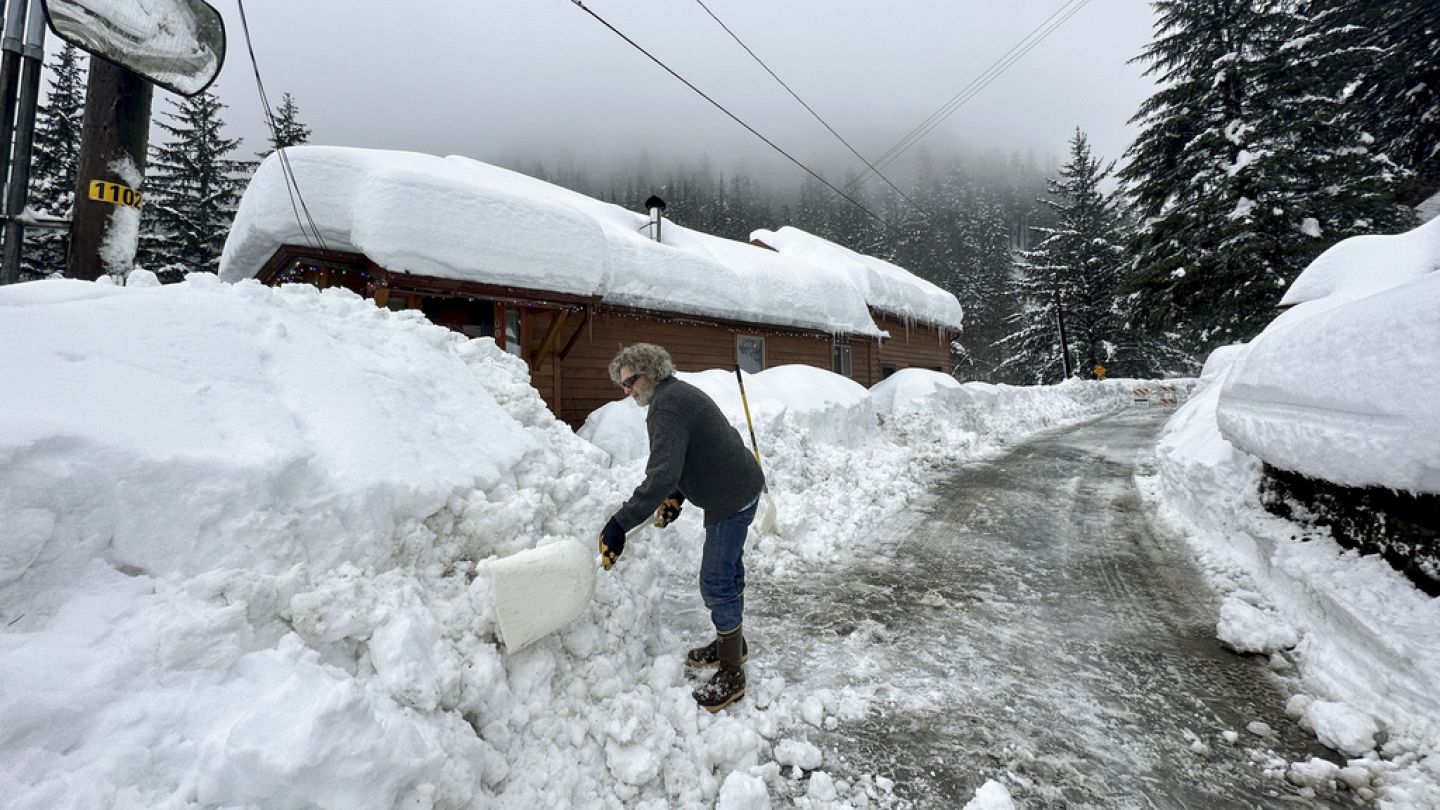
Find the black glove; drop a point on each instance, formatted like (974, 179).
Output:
(669, 510)
(612, 543)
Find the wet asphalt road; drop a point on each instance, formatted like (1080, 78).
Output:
(1030, 619)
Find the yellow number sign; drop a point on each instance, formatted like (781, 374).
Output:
(116, 194)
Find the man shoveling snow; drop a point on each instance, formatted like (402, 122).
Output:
(694, 454)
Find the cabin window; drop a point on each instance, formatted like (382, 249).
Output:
(396, 301)
(886, 371)
(750, 353)
(513, 343)
(841, 360)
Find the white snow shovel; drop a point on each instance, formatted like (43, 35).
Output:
(540, 590)
(765, 514)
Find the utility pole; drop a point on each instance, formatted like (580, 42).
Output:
(17, 192)
(1060, 322)
(104, 235)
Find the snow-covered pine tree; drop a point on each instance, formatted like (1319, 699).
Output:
(58, 124)
(192, 188)
(1202, 269)
(288, 131)
(1074, 271)
(1319, 179)
(1396, 86)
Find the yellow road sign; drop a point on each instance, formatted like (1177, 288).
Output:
(116, 194)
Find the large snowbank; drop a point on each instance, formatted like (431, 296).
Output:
(241, 542)
(1366, 642)
(458, 218)
(1341, 386)
(886, 287)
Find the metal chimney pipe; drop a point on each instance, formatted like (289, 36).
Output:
(656, 207)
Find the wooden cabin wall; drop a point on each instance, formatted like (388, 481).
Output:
(916, 346)
(581, 382)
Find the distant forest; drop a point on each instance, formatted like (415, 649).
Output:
(1278, 128)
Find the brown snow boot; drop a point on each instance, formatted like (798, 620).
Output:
(709, 655)
(728, 684)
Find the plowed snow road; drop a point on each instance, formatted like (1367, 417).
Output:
(1031, 619)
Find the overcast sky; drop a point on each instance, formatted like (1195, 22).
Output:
(500, 79)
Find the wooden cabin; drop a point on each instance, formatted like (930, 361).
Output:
(567, 340)
(563, 281)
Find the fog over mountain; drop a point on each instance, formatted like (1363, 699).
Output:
(545, 81)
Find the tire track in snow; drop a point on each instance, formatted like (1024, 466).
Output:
(1032, 625)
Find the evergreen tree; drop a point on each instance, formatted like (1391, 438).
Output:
(56, 157)
(1202, 270)
(288, 130)
(1247, 166)
(1072, 274)
(1396, 81)
(192, 190)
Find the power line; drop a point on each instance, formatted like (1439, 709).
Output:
(732, 116)
(811, 110)
(292, 185)
(1026, 44)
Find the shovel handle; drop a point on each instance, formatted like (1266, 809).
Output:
(754, 445)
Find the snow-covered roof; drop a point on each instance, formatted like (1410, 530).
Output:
(460, 219)
(888, 288)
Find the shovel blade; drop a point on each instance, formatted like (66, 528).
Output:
(540, 590)
(765, 515)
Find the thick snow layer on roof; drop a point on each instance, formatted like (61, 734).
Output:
(1341, 387)
(458, 218)
(887, 287)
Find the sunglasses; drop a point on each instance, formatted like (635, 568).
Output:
(629, 382)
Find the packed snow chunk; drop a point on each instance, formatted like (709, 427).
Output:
(1316, 773)
(822, 787)
(798, 753)
(1342, 728)
(742, 791)
(1245, 628)
(991, 796)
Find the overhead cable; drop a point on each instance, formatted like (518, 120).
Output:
(732, 116)
(810, 109)
(1027, 43)
(292, 185)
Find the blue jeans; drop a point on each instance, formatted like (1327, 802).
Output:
(722, 569)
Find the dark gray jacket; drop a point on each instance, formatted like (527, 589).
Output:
(693, 450)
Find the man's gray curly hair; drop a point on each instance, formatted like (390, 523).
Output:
(643, 358)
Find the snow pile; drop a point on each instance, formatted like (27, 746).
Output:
(242, 564)
(839, 459)
(1363, 322)
(886, 287)
(1366, 320)
(457, 218)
